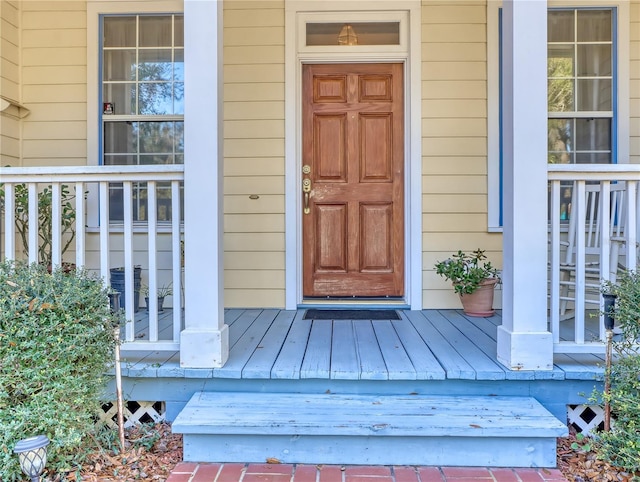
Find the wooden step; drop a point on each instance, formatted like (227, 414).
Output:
(368, 429)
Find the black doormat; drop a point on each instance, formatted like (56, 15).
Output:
(351, 315)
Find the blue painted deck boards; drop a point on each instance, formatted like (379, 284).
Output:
(422, 345)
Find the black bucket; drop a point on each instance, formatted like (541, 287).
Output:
(117, 283)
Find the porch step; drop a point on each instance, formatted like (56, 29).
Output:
(368, 429)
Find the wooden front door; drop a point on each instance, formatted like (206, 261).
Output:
(353, 180)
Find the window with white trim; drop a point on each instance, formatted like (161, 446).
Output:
(142, 99)
(587, 90)
(581, 85)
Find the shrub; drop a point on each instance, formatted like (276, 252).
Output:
(621, 445)
(56, 345)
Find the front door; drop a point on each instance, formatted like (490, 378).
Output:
(353, 180)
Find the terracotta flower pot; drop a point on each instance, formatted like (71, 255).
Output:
(480, 302)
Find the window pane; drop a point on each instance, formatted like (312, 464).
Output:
(560, 141)
(155, 64)
(593, 134)
(594, 60)
(120, 160)
(560, 25)
(156, 98)
(593, 158)
(179, 136)
(120, 137)
(560, 61)
(178, 31)
(157, 137)
(560, 95)
(123, 96)
(594, 95)
(178, 99)
(594, 25)
(119, 31)
(155, 31)
(119, 65)
(178, 65)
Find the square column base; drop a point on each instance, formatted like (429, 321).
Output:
(525, 351)
(204, 348)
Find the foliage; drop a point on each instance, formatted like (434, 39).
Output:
(45, 218)
(621, 445)
(467, 270)
(163, 291)
(56, 345)
(581, 443)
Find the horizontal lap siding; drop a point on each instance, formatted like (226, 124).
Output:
(634, 49)
(9, 82)
(254, 153)
(54, 82)
(454, 139)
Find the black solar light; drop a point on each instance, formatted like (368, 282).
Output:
(32, 453)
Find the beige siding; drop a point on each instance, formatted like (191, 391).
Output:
(634, 84)
(10, 82)
(454, 139)
(254, 153)
(54, 60)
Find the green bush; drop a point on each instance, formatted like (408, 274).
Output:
(621, 445)
(56, 346)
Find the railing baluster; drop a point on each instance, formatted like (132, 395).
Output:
(128, 260)
(580, 286)
(80, 232)
(555, 261)
(33, 222)
(176, 257)
(104, 230)
(56, 228)
(9, 221)
(152, 225)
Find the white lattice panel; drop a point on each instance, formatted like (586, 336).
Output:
(585, 418)
(134, 413)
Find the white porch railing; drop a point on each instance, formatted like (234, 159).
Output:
(592, 236)
(100, 242)
(577, 266)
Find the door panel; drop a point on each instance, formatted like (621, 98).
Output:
(353, 145)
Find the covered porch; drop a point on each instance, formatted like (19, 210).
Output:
(433, 352)
(576, 265)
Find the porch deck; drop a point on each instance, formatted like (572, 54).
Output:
(422, 345)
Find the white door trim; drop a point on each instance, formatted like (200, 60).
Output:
(294, 58)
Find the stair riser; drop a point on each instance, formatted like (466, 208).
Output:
(456, 451)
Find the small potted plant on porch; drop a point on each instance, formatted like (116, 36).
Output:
(474, 279)
(162, 293)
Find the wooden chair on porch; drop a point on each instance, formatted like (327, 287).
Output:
(586, 240)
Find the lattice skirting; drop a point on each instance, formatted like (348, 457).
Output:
(585, 418)
(135, 413)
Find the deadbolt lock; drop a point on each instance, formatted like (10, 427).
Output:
(306, 169)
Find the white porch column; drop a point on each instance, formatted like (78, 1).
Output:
(204, 343)
(524, 341)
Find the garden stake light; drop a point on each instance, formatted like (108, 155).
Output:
(114, 303)
(609, 309)
(32, 454)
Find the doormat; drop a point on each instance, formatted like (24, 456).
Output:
(351, 315)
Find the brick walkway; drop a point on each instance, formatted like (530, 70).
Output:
(209, 472)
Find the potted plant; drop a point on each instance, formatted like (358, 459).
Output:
(473, 278)
(162, 293)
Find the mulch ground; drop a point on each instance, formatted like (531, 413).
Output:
(152, 454)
